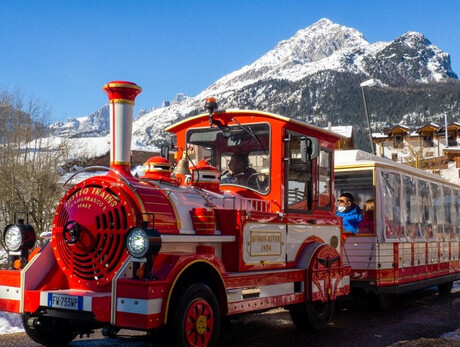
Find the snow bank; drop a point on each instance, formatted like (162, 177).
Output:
(10, 323)
(454, 335)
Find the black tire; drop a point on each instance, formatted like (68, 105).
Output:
(445, 288)
(110, 331)
(380, 302)
(312, 315)
(195, 317)
(384, 301)
(57, 337)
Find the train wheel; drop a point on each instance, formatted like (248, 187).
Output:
(196, 319)
(445, 288)
(313, 315)
(382, 302)
(46, 335)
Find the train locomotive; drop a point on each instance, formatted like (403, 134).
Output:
(180, 248)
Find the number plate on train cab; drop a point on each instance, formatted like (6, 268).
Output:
(68, 302)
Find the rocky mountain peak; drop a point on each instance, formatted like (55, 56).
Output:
(412, 38)
(320, 40)
(412, 58)
(95, 124)
(308, 46)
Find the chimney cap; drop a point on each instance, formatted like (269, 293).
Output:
(121, 90)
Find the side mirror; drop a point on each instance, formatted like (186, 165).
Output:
(309, 148)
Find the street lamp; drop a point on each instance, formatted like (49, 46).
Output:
(369, 83)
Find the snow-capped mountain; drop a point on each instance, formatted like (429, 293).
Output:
(315, 76)
(329, 46)
(94, 125)
(318, 47)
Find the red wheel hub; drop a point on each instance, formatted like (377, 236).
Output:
(199, 323)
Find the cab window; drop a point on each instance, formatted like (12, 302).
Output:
(299, 174)
(325, 179)
(245, 147)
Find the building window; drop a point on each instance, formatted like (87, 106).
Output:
(428, 141)
(394, 156)
(452, 141)
(398, 141)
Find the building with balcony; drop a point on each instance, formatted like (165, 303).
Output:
(427, 146)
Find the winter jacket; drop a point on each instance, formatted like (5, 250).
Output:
(351, 219)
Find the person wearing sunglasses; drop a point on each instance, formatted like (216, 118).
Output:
(350, 212)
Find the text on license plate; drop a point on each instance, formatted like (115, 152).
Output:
(65, 301)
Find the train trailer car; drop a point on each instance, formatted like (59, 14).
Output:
(176, 250)
(412, 237)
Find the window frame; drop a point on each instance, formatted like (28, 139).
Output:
(290, 134)
(329, 178)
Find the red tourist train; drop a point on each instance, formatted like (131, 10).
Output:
(180, 248)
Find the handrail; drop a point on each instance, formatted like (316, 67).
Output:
(93, 168)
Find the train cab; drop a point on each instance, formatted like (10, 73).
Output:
(288, 163)
(279, 203)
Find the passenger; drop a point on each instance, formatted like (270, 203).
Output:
(350, 212)
(367, 224)
(239, 170)
(414, 231)
(429, 231)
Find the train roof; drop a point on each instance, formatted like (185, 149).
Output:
(351, 159)
(264, 116)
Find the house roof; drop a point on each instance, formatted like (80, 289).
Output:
(450, 126)
(400, 127)
(428, 127)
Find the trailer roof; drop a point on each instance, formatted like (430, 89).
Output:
(348, 159)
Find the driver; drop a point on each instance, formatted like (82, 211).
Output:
(239, 170)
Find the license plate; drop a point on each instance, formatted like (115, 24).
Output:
(65, 301)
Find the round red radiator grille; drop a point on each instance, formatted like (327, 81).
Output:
(101, 215)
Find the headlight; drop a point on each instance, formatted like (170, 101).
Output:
(18, 236)
(142, 242)
(137, 242)
(13, 238)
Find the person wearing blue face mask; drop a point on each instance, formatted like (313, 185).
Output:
(350, 212)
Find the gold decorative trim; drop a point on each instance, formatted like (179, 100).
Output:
(120, 163)
(168, 297)
(122, 85)
(122, 101)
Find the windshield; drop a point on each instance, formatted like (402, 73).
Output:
(242, 153)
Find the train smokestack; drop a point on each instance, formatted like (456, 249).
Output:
(121, 99)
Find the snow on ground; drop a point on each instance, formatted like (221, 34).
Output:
(10, 323)
(454, 335)
(79, 147)
(451, 173)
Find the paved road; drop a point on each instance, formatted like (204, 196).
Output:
(419, 319)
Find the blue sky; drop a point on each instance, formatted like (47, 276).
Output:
(62, 52)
